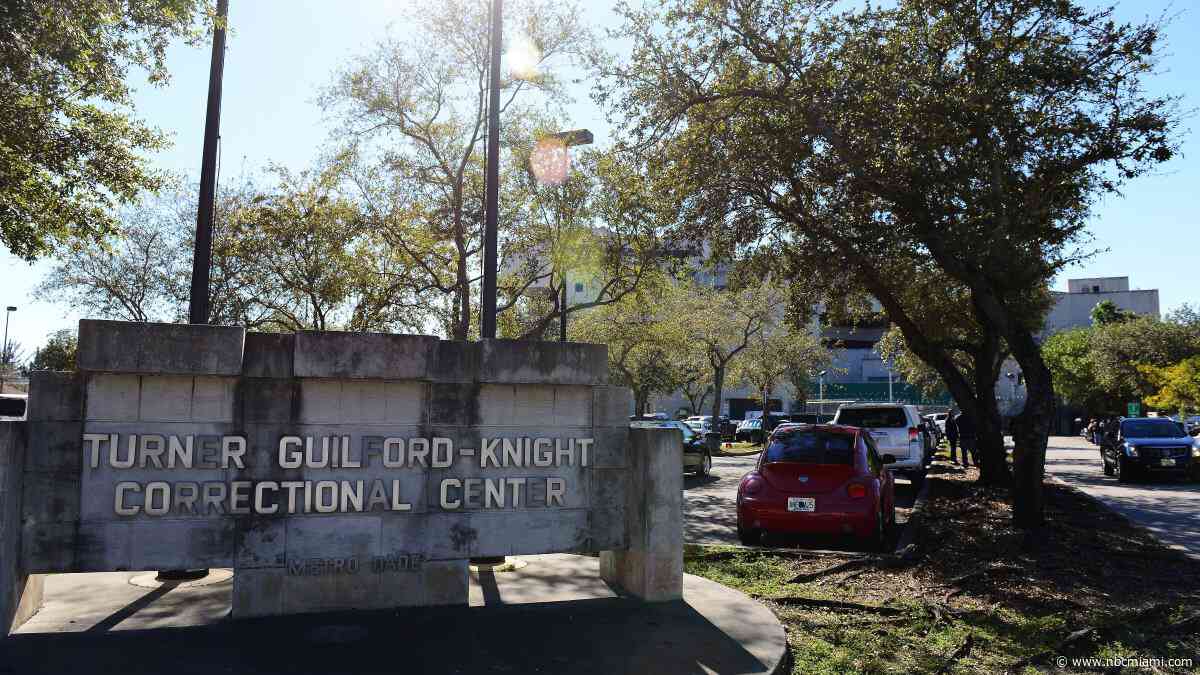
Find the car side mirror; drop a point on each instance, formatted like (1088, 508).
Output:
(888, 459)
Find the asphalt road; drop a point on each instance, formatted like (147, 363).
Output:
(1169, 508)
(710, 515)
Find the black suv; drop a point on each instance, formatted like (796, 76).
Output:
(1145, 446)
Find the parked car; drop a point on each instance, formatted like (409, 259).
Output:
(696, 457)
(750, 431)
(818, 479)
(1147, 446)
(896, 430)
(701, 424)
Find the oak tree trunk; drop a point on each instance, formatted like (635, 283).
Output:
(1031, 431)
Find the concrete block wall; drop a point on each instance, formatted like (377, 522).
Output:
(204, 380)
(20, 592)
(651, 566)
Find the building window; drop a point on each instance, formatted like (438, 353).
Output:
(1095, 289)
(578, 287)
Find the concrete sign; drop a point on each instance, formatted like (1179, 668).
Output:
(336, 470)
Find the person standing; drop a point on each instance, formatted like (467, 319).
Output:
(967, 438)
(952, 437)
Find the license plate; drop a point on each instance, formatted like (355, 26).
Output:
(1166, 462)
(802, 504)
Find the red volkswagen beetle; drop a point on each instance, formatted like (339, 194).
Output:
(818, 479)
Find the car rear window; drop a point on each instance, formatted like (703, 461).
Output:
(873, 418)
(811, 447)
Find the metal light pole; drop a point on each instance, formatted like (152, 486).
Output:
(7, 310)
(4, 355)
(487, 327)
(821, 390)
(891, 398)
(569, 139)
(202, 255)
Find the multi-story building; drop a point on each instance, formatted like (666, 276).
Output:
(1073, 309)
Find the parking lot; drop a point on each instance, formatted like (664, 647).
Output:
(710, 515)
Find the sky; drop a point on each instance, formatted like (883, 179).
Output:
(281, 52)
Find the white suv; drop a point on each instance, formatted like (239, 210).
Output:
(896, 429)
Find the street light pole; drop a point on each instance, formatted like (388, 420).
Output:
(7, 310)
(569, 139)
(487, 327)
(4, 355)
(202, 254)
(821, 391)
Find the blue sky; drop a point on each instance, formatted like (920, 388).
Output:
(282, 51)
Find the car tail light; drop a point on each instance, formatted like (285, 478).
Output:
(752, 485)
(856, 490)
(913, 433)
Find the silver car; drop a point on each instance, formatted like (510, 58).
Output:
(896, 430)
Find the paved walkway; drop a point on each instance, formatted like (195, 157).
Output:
(518, 622)
(1168, 508)
(710, 506)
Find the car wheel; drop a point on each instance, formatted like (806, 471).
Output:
(748, 535)
(1108, 470)
(1124, 473)
(705, 467)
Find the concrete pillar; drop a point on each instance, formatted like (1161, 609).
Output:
(20, 592)
(651, 568)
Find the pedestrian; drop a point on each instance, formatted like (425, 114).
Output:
(952, 436)
(967, 438)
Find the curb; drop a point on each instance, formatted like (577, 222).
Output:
(914, 518)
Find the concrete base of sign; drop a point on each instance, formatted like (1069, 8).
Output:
(518, 622)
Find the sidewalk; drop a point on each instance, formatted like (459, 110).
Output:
(517, 623)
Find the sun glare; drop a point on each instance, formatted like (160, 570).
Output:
(523, 58)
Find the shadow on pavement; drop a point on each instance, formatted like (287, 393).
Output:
(605, 635)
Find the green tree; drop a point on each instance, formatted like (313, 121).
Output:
(641, 343)
(920, 135)
(70, 148)
(136, 273)
(1117, 349)
(1106, 312)
(58, 353)
(310, 262)
(1070, 358)
(1177, 387)
(721, 323)
(776, 352)
(414, 113)
(592, 228)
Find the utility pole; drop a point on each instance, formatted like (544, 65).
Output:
(487, 309)
(202, 254)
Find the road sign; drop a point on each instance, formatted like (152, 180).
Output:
(1134, 409)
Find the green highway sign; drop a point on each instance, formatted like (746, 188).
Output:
(1134, 409)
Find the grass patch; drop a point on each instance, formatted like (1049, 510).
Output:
(980, 596)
